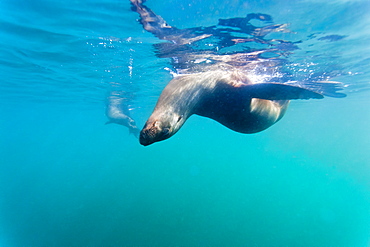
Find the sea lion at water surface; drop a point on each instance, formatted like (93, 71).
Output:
(226, 96)
(220, 86)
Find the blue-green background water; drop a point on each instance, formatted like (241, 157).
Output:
(66, 179)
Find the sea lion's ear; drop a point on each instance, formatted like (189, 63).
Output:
(278, 91)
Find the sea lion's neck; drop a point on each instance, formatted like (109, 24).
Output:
(181, 96)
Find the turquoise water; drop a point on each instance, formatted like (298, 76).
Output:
(66, 179)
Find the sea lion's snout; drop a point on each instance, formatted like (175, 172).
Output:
(152, 133)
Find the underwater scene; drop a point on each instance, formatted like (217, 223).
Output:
(260, 139)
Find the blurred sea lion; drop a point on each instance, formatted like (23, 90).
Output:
(118, 112)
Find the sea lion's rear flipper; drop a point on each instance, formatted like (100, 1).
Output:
(135, 131)
(279, 91)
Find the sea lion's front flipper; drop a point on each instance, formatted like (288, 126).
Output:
(279, 91)
(326, 88)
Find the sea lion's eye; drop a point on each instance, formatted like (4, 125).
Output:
(166, 131)
(179, 118)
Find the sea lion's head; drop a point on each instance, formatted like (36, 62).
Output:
(159, 129)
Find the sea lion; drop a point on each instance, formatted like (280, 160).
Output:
(117, 111)
(224, 86)
(225, 95)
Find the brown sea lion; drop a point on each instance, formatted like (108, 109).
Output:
(225, 95)
(220, 86)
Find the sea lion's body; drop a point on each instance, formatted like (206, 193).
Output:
(227, 96)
